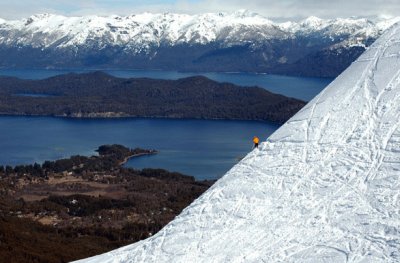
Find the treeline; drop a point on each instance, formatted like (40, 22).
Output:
(100, 95)
(24, 241)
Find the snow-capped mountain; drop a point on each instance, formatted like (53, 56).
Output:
(325, 187)
(240, 41)
(136, 33)
(143, 31)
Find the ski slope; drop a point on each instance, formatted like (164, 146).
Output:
(324, 188)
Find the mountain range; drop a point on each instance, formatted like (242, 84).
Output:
(221, 42)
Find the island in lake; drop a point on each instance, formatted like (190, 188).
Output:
(81, 206)
(98, 94)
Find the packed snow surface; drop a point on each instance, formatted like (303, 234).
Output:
(324, 188)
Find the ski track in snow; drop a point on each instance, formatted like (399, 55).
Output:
(324, 188)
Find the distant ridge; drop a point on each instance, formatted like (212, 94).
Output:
(240, 41)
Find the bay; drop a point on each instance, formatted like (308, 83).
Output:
(205, 149)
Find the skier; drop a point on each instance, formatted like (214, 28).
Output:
(256, 141)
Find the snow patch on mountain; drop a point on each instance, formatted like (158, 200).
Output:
(312, 22)
(325, 187)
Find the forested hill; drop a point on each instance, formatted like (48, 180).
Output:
(97, 94)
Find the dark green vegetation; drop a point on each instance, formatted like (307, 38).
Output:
(82, 206)
(100, 95)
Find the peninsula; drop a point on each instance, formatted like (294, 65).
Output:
(97, 94)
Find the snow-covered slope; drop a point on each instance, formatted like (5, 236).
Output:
(324, 188)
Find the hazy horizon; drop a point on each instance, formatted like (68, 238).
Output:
(273, 19)
(282, 10)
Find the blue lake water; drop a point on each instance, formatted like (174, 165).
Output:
(204, 149)
(296, 87)
(34, 95)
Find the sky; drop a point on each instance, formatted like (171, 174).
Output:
(278, 9)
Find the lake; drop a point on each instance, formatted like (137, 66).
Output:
(297, 87)
(202, 148)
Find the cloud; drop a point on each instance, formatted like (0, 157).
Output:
(273, 9)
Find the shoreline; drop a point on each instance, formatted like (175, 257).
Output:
(126, 159)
